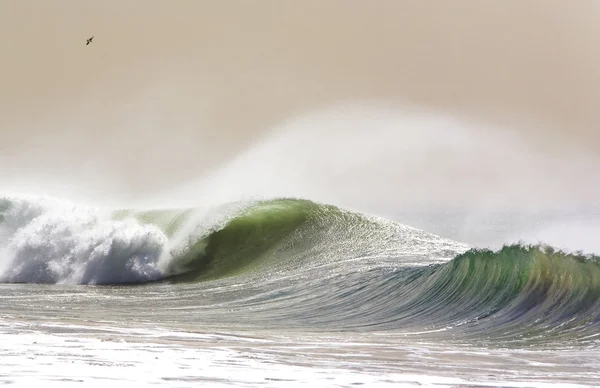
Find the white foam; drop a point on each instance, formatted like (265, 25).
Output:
(54, 241)
(226, 361)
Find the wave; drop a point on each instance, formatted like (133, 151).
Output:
(518, 291)
(297, 262)
(51, 241)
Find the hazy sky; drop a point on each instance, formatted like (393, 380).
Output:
(169, 90)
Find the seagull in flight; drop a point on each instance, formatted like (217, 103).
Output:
(89, 41)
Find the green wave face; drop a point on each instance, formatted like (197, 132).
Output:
(264, 236)
(247, 238)
(248, 241)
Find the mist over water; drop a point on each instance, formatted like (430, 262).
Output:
(450, 174)
(465, 178)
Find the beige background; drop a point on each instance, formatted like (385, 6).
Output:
(169, 90)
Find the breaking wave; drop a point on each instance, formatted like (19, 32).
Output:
(318, 265)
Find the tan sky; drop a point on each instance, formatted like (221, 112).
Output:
(169, 89)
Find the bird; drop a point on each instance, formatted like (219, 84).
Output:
(89, 41)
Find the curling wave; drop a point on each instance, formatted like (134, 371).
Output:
(51, 241)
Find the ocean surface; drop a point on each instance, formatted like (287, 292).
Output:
(283, 292)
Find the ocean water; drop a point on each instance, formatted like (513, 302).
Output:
(317, 193)
(283, 292)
